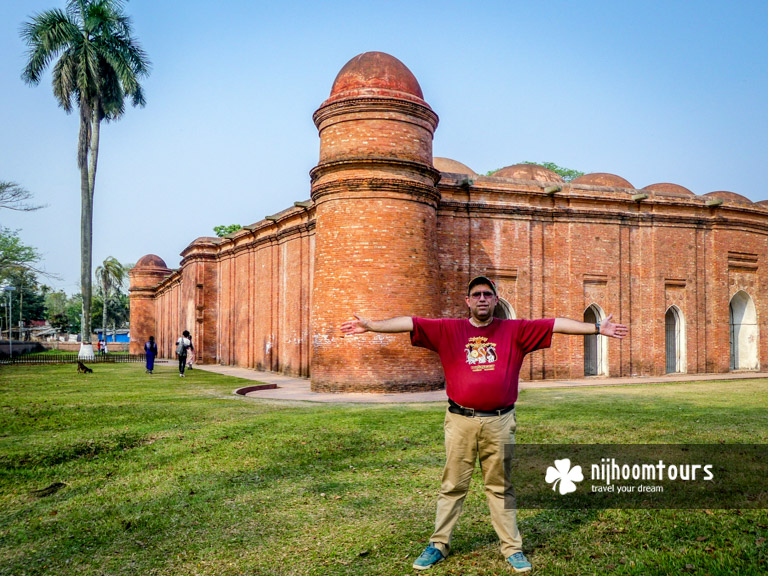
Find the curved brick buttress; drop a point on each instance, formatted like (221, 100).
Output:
(144, 277)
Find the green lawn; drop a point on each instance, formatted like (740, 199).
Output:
(172, 476)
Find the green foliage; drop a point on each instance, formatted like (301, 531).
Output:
(28, 299)
(98, 62)
(118, 310)
(56, 302)
(98, 65)
(110, 277)
(74, 312)
(15, 255)
(63, 312)
(568, 174)
(223, 230)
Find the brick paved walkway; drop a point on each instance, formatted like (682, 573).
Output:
(289, 388)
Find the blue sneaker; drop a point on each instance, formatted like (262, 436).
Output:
(519, 562)
(428, 558)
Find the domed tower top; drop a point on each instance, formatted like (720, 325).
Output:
(148, 271)
(376, 74)
(151, 261)
(375, 112)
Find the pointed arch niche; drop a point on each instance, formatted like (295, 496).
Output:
(743, 332)
(595, 346)
(675, 341)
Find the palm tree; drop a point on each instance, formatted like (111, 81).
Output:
(99, 65)
(111, 274)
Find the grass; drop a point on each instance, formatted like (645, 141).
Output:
(169, 476)
(61, 352)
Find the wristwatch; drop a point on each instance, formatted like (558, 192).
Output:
(597, 327)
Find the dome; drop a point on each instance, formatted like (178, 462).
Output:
(667, 188)
(376, 74)
(602, 179)
(732, 196)
(528, 172)
(150, 261)
(448, 165)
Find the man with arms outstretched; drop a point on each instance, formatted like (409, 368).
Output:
(481, 357)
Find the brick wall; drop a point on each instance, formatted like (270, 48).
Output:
(386, 234)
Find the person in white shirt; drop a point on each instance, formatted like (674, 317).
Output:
(183, 344)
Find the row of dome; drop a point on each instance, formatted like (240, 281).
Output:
(381, 74)
(541, 174)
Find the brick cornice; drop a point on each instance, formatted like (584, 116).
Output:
(694, 220)
(372, 104)
(276, 236)
(377, 188)
(169, 282)
(374, 162)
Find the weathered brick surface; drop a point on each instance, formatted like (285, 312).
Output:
(144, 277)
(383, 238)
(375, 243)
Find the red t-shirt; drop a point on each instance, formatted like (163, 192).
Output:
(482, 365)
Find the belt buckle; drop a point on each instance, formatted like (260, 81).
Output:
(471, 412)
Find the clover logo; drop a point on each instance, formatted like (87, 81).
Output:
(565, 475)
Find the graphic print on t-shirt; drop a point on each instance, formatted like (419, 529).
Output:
(481, 354)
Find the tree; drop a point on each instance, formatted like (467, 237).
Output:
(222, 230)
(14, 255)
(56, 310)
(28, 298)
(14, 197)
(74, 312)
(568, 174)
(99, 65)
(109, 276)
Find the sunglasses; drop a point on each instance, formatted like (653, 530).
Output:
(487, 294)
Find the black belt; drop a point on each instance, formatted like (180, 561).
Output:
(472, 413)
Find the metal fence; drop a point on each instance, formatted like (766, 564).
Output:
(70, 358)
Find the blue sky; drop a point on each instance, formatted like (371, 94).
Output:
(668, 91)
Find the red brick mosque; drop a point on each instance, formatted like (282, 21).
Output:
(390, 230)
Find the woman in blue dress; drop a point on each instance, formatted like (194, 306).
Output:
(150, 349)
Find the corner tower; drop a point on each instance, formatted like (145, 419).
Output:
(376, 199)
(148, 272)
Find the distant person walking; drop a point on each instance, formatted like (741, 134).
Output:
(150, 350)
(191, 356)
(183, 345)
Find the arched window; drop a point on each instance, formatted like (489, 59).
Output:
(595, 346)
(675, 342)
(503, 310)
(743, 332)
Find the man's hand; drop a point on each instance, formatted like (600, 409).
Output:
(359, 325)
(608, 328)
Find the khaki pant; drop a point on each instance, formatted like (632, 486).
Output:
(467, 440)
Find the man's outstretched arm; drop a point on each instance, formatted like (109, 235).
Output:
(607, 328)
(360, 325)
